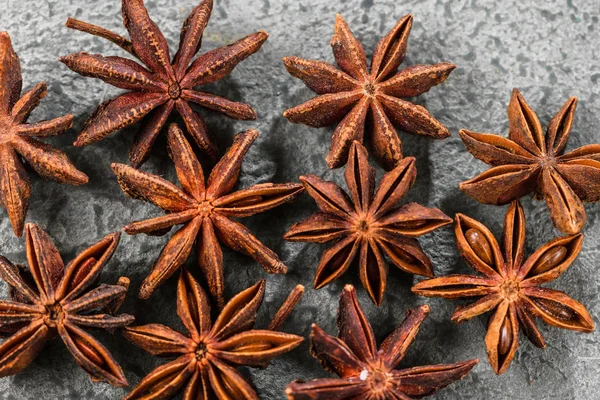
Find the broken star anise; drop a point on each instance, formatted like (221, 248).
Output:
(205, 367)
(17, 139)
(205, 210)
(529, 161)
(511, 285)
(353, 95)
(162, 84)
(368, 372)
(368, 224)
(49, 299)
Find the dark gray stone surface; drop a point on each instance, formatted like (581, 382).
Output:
(547, 49)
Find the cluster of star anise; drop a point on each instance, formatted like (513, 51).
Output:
(365, 223)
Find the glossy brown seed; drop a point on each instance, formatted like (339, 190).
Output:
(511, 287)
(367, 223)
(506, 337)
(64, 300)
(367, 371)
(480, 245)
(158, 85)
(529, 161)
(549, 260)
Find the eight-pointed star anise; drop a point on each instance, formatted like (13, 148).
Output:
(163, 84)
(511, 285)
(205, 367)
(367, 223)
(367, 372)
(354, 95)
(49, 299)
(205, 210)
(529, 161)
(17, 138)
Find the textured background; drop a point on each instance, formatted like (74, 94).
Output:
(547, 49)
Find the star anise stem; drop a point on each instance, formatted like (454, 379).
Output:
(100, 32)
(286, 308)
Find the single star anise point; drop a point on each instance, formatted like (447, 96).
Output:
(160, 85)
(510, 285)
(529, 161)
(19, 140)
(366, 370)
(50, 299)
(353, 95)
(366, 224)
(206, 209)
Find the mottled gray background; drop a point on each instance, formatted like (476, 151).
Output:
(547, 49)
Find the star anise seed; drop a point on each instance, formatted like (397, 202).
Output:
(49, 299)
(353, 95)
(368, 224)
(366, 371)
(18, 139)
(160, 85)
(529, 161)
(511, 285)
(205, 210)
(205, 367)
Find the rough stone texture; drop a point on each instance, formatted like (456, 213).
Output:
(547, 49)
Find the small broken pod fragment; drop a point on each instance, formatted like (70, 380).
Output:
(369, 372)
(510, 285)
(48, 299)
(205, 360)
(368, 224)
(359, 99)
(205, 211)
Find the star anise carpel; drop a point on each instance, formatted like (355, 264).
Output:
(205, 209)
(161, 84)
(49, 300)
(529, 161)
(369, 372)
(18, 139)
(368, 224)
(511, 285)
(206, 358)
(354, 96)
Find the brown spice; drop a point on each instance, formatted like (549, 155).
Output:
(511, 285)
(49, 299)
(353, 95)
(161, 85)
(369, 372)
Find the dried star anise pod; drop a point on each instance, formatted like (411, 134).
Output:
(161, 84)
(368, 224)
(49, 299)
(353, 95)
(529, 161)
(368, 372)
(205, 367)
(205, 210)
(511, 285)
(17, 139)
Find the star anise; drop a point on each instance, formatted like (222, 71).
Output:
(49, 299)
(205, 210)
(368, 372)
(161, 84)
(529, 161)
(367, 223)
(511, 285)
(354, 95)
(17, 139)
(205, 367)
